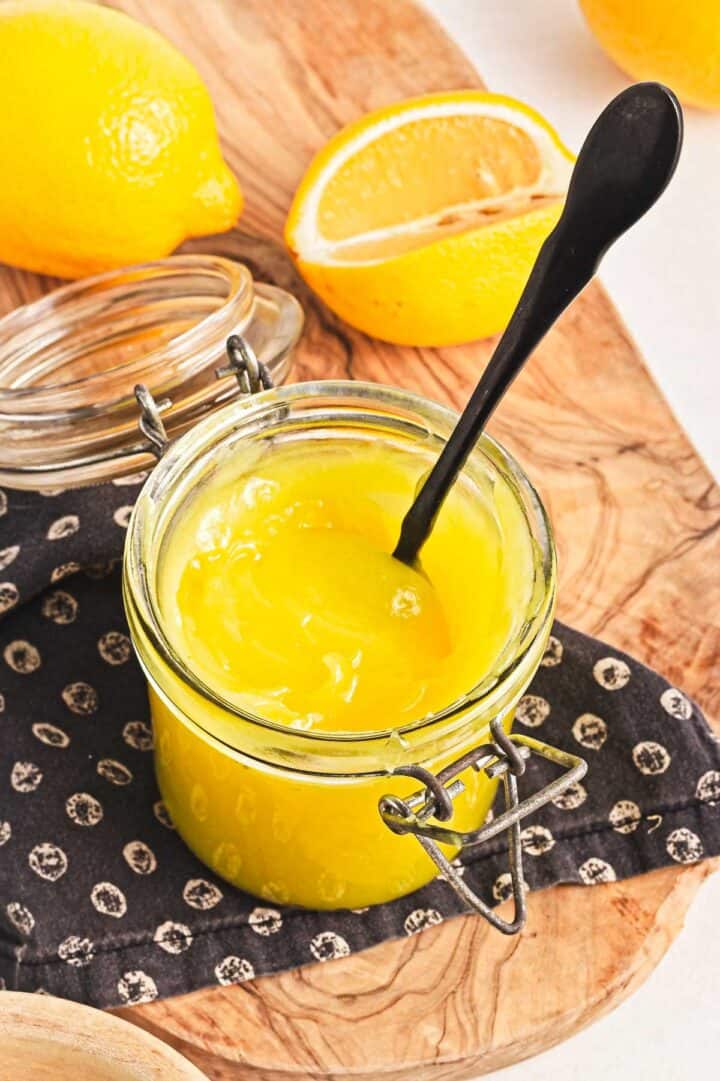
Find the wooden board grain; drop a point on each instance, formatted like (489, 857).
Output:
(637, 518)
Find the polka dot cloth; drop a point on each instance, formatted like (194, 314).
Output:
(100, 901)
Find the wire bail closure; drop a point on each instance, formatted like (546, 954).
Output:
(150, 422)
(506, 758)
(251, 374)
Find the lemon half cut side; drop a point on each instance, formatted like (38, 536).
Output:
(419, 223)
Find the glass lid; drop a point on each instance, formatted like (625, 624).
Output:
(69, 363)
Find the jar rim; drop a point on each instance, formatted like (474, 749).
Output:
(28, 318)
(143, 610)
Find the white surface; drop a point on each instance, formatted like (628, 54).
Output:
(664, 279)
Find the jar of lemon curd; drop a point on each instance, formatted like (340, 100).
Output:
(330, 726)
(260, 787)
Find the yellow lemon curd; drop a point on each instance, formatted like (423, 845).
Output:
(277, 590)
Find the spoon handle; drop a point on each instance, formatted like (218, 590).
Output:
(624, 164)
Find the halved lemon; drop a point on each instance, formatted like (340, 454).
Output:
(420, 222)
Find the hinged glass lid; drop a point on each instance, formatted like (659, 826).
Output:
(69, 363)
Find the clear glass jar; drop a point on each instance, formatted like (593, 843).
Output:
(293, 816)
(69, 363)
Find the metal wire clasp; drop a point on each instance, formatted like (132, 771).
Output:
(150, 422)
(251, 374)
(505, 758)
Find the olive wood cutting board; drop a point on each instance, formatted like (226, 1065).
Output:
(636, 515)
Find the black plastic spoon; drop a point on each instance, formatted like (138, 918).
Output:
(625, 164)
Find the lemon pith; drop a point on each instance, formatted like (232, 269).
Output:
(109, 153)
(419, 223)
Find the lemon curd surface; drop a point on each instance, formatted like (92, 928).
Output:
(277, 590)
(279, 585)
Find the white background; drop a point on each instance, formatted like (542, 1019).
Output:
(663, 278)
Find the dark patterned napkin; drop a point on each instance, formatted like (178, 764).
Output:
(100, 901)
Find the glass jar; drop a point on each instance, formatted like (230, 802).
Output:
(323, 819)
(70, 361)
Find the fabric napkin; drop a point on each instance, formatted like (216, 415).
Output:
(100, 900)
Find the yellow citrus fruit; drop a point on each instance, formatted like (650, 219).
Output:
(419, 223)
(675, 43)
(109, 153)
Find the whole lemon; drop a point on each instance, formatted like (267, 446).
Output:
(109, 152)
(675, 43)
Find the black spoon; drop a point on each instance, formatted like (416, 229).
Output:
(625, 164)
